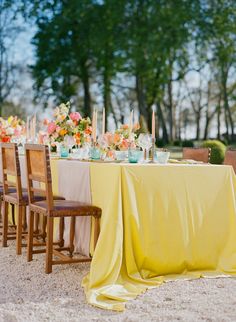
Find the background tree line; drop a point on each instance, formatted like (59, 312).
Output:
(178, 57)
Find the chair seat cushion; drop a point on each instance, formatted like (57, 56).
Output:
(10, 189)
(68, 208)
(12, 197)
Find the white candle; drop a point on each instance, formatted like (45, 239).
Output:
(95, 125)
(103, 121)
(153, 124)
(131, 121)
(27, 128)
(35, 122)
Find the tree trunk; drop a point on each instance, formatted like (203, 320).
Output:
(228, 115)
(206, 127)
(143, 110)
(228, 111)
(162, 120)
(87, 109)
(198, 118)
(107, 95)
(171, 112)
(226, 125)
(218, 120)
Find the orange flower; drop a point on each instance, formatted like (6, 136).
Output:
(136, 127)
(116, 138)
(88, 130)
(110, 154)
(6, 139)
(125, 126)
(124, 145)
(62, 132)
(77, 138)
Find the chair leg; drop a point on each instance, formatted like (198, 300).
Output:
(36, 231)
(30, 237)
(13, 214)
(5, 223)
(49, 245)
(44, 228)
(24, 220)
(1, 210)
(19, 231)
(96, 230)
(61, 232)
(72, 235)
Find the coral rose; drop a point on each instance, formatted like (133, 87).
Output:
(51, 128)
(75, 116)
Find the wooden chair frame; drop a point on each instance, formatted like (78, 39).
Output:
(39, 154)
(194, 153)
(230, 158)
(11, 167)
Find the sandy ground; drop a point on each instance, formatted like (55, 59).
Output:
(27, 294)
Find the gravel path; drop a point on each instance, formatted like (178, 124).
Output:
(27, 294)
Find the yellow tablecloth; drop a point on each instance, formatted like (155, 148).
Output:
(159, 223)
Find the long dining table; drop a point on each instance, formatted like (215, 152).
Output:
(159, 223)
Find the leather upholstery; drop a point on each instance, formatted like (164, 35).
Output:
(12, 197)
(67, 208)
(230, 158)
(197, 154)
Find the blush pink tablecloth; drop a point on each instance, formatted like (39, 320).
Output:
(74, 184)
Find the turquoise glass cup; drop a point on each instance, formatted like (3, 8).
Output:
(95, 153)
(64, 151)
(134, 155)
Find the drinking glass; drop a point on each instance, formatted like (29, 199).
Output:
(145, 142)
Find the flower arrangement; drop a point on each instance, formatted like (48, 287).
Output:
(11, 128)
(67, 124)
(122, 139)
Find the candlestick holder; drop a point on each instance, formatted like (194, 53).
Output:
(153, 150)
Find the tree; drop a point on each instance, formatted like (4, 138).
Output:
(9, 31)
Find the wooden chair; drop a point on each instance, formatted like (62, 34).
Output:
(230, 158)
(13, 193)
(12, 232)
(38, 169)
(197, 154)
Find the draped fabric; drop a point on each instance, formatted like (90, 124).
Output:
(74, 184)
(159, 223)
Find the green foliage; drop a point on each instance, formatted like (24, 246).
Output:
(217, 150)
(177, 143)
(140, 47)
(188, 144)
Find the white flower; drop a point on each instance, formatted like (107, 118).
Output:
(70, 122)
(63, 108)
(9, 131)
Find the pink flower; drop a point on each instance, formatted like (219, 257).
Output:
(46, 122)
(124, 144)
(17, 131)
(108, 138)
(51, 127)
(75, 116)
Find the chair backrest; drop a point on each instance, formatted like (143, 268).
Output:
(39, 170)
(230, 158)
(197, 154)
(11, 174)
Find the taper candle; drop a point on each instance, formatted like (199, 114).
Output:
(131, 122)
(103, 121)
(27, 129)
(95, 126)
(153, 124)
